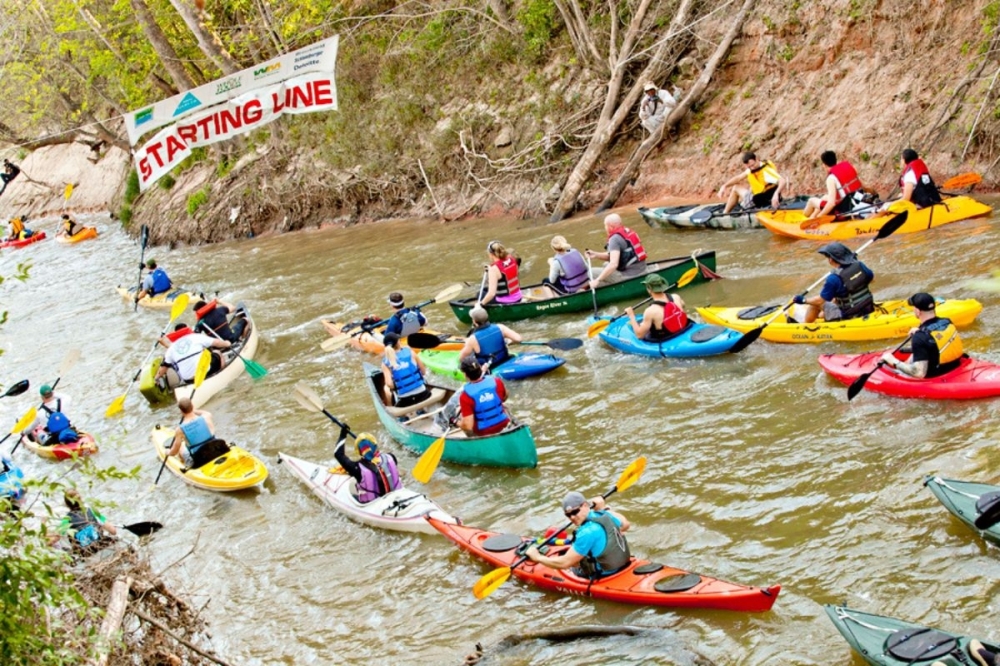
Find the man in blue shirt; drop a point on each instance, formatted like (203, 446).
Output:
(845, 294)
(599, 548)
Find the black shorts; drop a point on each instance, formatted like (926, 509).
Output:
(763, 199)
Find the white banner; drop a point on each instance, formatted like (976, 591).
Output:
(313, 92)
(318, 57)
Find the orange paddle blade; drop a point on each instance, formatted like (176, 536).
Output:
(962, 181)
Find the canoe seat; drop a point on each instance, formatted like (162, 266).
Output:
(921, 645)
(437, 395)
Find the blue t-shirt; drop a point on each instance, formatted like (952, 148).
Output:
(834, 286)
(590, 538)
(395, 324)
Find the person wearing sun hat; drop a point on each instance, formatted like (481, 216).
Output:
(654, 106)
(375, 473)
(935, 346)
(845, 294)
(662, 320)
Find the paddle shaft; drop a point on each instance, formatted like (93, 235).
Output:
(143, 240)
(855, 388)
(590, 274)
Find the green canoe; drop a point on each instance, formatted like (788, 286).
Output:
(964, 499)
(514, 447)
(884, 641)
(535, 305)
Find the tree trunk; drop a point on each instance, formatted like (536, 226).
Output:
(160, 43)
(208, 41)
(113, 617)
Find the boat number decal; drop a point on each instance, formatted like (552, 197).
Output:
(541, 307)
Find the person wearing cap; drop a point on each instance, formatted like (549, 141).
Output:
(70, 227)
(214, 321)
(51, 403)
(662, 320)
(10, 171)
(502, 281)
(155, 282)
(765, 186)
(375, 474)
(568, 272)
(403, 373)
(488, 342)
(404, 321)
(845, 294)
(599, 547)
(916, 183)
(197, 430)
(842, 184)
(935, 346)
(654, 106)
(481, 401)
(625, 254)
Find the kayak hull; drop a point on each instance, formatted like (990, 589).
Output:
(164, 301)
(627, 586)
(518, 366)
(891, 319)
(237, 469)
(85, 446)
(401, 510)
(960, 498)
(153, 394)
(371, 342)
(535, 304)
(34, 238)
(972, 379)
(234, 368)
(86, 234)
(695, 341)
(680, 217)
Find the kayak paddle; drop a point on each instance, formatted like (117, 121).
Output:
(253, 368)
(704, 215)
(144, 528)
(859, 383)
(489, 583)
(602, 324)
(204, 364)
(143, 242)
(311, 401)
(22, 423)
(750, 337)
(590, 274)
(180, 304)
(16, 389)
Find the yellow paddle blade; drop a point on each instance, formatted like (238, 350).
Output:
(335, 342)
(204, 363)
(449, 293)
(631, 474)
(24, 421)
(309, 395)
(687, 277)
(69, 192)
(179, 306)
(962, 181)
(489, 583)
(597, 327)
(428, 461)
(117, 405)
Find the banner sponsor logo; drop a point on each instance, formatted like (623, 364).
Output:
(261, 72)
(144, 116)
(226, 85)
(189, 103)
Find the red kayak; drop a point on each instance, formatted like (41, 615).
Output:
(971, 379)
(642, 582)
(33, 238)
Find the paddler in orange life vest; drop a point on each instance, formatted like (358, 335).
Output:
(625, 254)
(841, 184)
(766, 185)
(662, 320)
(917, 185)
(375, 474)
(935, 345)
(501, 275)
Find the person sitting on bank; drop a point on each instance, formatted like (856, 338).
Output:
(625, 254)
(156, 281)
(936, 348)
(599, 547)
(180, 362)
(654, 106)
(488, 342)
(481, 401)
(215, 319)
(502, 281)
(70, 227)
(197, 431)
(85, 528)
(766, 186)
(10, 171)
(917, 185)
(662, 320)
(403, 372)
(404, 321)
(845, 294)
(375, 474)
(842, 183)
(568, 272)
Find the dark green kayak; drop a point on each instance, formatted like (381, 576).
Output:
(533, 304)
(885, 641)
(967, 501)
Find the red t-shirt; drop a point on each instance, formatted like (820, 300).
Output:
(469, 408)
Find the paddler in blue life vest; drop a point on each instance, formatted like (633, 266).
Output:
(51, 425)
(935, 344)
(599, 547)
(85, 528)
(197, 431)
(842, 187)
(481, 401)
(568, 272)
(765, 186)
(487, 342)
(403, 373)
(845, 294)
(376, 473)
(155, 282)
(662, 320)
(625, 254)
(404, 321)
(502, 283)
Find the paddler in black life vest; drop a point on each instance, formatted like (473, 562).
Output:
(765, 186)
(917, 185)
(662, 320)
(598, 548)
(70, 227)
(845, 294)
(842, 182)
(935, 345)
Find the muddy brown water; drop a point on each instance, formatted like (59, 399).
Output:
(759, 470)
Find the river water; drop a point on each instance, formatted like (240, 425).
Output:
(759, 470)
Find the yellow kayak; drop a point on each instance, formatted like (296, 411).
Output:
(164, 301)
(236, 470)
(891, 319)
(793, 223)
(86, 233)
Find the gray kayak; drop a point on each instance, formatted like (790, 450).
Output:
(709, 216)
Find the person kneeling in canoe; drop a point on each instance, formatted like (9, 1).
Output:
(625, 254)
(404, 321)
(935, 345)
(599, 547)
(403, 372)
(156, 282)
(197, 430)
(845, 294)
(213, 318)
(662, 320)
(375, 474)
(481, 401)
(85, 528)
(488, 342)
(568, 272)
(182, 358)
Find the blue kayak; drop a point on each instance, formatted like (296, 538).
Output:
(694, 341)
(518, 366)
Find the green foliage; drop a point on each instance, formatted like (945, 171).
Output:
(865, 157)
(131, 187)
(708, 143)
(197, 200)
(768, 23)
(786, 53)
(224, 166)
(166, 182)
(539, 20)
(125, 215)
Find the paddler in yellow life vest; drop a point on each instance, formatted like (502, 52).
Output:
(18, 231)
(70, 227)
(935, 345)
(766, 185)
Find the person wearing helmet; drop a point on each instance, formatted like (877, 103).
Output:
(197, 430)
(845, 294)
(156, 282)
(375, 473)
(481, 401)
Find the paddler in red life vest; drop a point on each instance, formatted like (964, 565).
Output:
(766, 186)
(842, 183)
(375, 474)
(935, 344)
(502, 281)
(662, 320)
(156, 282)
(481, 401)
(917, 185)
(625, 255)
(488, 342)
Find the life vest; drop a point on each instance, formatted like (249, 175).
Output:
(83, 527)
(488, 410)
(197, 433)
(56, 423)
(616, 554)
(675, 320)
(634, 253)
(945, 336)
(405, 373)
(925, 193)
(16, 227)
(575, 270)
(377, 475)
(161, 283)
(492, 346)
(847, 179)
(212, 317)
(48, 410)
(508, 285)
(758, 177)
(11, 487)
(409, 321)
(174, 336)
(857, 299)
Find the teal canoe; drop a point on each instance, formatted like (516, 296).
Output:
(514, 447)
(886, 641)
(534, 304)
(967, 500)
(518, 366)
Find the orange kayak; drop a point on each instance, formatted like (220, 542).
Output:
(371, 341)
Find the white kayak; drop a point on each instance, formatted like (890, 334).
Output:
(401, 510)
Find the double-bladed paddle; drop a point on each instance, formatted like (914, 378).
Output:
(489, 583)
(22, 423)
(429, 341)
(858, 384)
(705, 214)
(253, 368)
(749, 337)
(602, 324)
(144, 528)
(143, 242)
(16, 389)
(204, 364)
